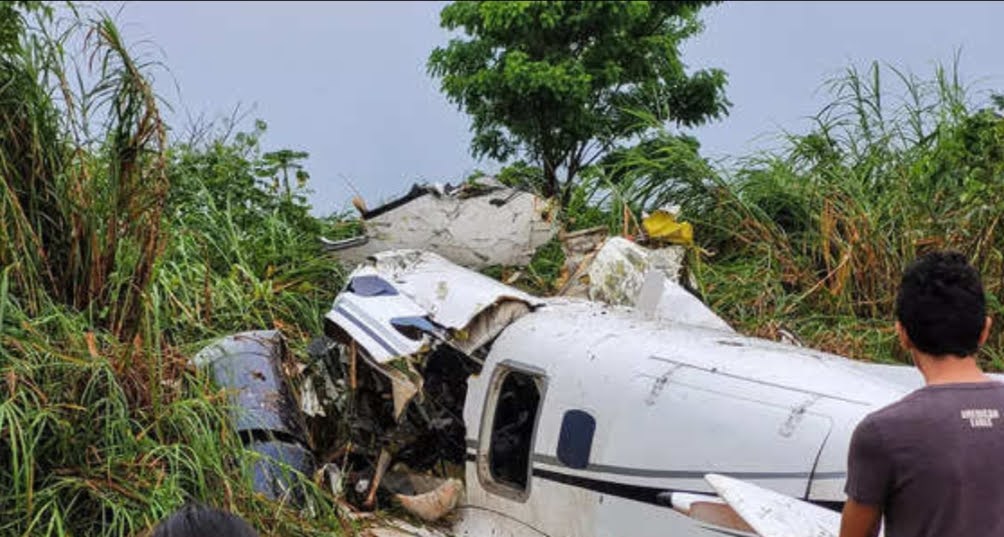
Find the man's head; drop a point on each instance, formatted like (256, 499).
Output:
(195, 520)
(940, 308)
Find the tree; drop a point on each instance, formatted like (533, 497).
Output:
(557, 81)
(283, 161)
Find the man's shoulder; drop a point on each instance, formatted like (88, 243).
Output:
(917, 404)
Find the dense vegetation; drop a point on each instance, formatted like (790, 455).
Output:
(124, 250)
(814, 236)
(121, 255)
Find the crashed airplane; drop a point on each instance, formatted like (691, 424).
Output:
(494, 412)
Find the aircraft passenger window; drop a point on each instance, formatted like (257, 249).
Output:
(512, 430)
(575, 440)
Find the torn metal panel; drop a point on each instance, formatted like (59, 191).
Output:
(369, 320)
(488, 324)
(263, 410)
(621, 273)
(580, 248)
(248, 366)
(271, 472)
(411, 296)
(475, 225)
(404, 388)
(452, 295)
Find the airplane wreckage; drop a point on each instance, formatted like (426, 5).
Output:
(628, 407)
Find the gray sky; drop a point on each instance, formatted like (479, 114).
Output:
(346, 81)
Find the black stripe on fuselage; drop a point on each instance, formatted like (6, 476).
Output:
(628, 491)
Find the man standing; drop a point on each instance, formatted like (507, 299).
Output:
(933, 462)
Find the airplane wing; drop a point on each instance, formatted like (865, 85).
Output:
(743, 508)
(772, 514)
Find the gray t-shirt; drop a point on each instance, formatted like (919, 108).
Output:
(934, 461)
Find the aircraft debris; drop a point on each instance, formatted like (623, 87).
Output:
(476, 224)
(620, 272)
(434, 504)
(662, 226)
(249, 367)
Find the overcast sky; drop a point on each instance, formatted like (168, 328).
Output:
(346, 81)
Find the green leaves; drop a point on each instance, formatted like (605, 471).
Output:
(549, 80)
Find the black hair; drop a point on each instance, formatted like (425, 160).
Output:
(196, 520)
(941, 304)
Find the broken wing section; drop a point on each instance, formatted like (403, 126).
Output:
(403, 301)
(386, 323)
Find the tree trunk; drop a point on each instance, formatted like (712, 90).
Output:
(573, 168)
(550, 179)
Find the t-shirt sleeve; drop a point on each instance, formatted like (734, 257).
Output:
(869, 466)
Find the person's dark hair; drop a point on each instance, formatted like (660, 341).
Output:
(195, 520)
(941, 304)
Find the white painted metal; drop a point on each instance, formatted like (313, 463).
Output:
(451, 295)
(501, 227)
(662, 298)
(673, 402)
(775, 515)
(618, 271)
(367, 321)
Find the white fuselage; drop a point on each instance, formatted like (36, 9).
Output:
(668, 403)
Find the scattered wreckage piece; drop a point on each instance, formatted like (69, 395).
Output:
(620, 272)
(617, 273)
(432, 505)
(476, 225)
(249, 367)
(580, 248)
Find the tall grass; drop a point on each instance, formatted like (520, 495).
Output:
(118, 259)
(814, 236)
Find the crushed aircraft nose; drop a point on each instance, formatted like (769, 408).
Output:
(263, 410)
(476, 225)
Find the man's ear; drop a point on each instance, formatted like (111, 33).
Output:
(986, 330)
(904, 338)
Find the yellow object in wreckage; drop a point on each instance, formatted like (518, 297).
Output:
(662, 226)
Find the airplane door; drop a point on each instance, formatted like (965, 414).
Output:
(501, 478)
